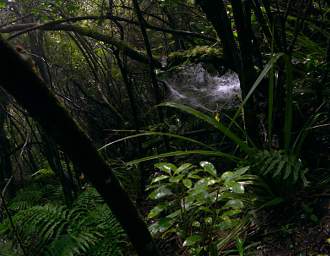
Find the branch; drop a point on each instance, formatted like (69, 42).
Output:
(122, 46)
(58, 26)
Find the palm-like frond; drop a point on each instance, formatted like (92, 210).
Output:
(88, 228)
(279, 165)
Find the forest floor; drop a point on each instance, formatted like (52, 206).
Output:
(292, 232)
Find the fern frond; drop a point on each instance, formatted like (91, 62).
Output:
(278, 164)
(88, 228)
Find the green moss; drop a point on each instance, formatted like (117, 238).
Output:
(198, 54)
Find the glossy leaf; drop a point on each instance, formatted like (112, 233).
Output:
(209, 168)
(159, 178)
(192, 240)
(183, 167)
(160, 193)
(157, 210)
(166, 167)
(234, 204)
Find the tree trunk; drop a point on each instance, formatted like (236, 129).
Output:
(18, 79)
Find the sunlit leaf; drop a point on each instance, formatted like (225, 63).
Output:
(192, 240)
(159, 178)
(237, 188)
(227, 175)
(166, 167)
(234, 204)
(208, 167)
(160, 192)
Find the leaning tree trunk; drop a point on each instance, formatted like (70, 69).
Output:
(6, 170)
(18, 79)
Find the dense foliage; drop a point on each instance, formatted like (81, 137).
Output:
(243, 173)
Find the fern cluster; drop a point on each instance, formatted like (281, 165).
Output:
(88, 228)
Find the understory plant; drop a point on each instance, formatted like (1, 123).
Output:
(206, 209)
(87, 228)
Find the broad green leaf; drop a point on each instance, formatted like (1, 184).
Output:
(187, 183)
(234, 204)
(192, 240)
(227, 224)
(196, 224)
(227, 176)
(160, 192)
(241, 170)
(161, 226)
(208, 167)
(183, 167)
(157, 210)
(176, 179)
(159, 178)
(238, 188)
(194, 176)
(231, 213)
(234, 186)
(164, 224)
(174, 214)
(166, 167)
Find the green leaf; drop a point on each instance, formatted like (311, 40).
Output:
(174, 214)
(176, 179)
(234, 204)
(187, 183)
(166, 167)
(184, 153)
(164, 224)
(159, 178)
(196, 224)
(209, 168)
(183, 167)
(227, 176)
(227, 224)
(231, 213)
(237, 188)
(160, 226)
(258, 81)
(160, 192)
(241, 170)
(156, 134)
(194, 176)
(157, 210)
(192, 240)
(209, 119)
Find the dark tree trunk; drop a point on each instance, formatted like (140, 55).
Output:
(6, 170)
(18, 79)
